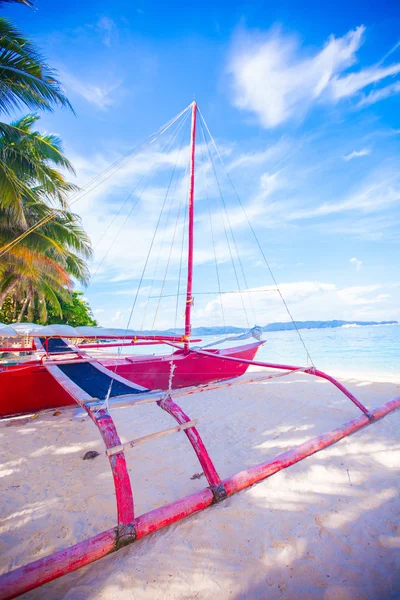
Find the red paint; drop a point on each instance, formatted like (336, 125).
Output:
(17, 349)
(51, 567)
(105, 424)
(191, 369)
(122, 482)
(189, 296)
(132, 343)
(170, 513)
(247, 478)
(65, 561)
(29, 387)
(194, 438)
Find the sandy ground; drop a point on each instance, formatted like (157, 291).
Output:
(326, 528)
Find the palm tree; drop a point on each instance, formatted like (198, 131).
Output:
(38, 271)
(26, 80)
(25, 77)
(27, 161)
(43, 264)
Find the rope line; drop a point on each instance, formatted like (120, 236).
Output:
(53, 214)
(212, 235)
(166, 225)
(169, 144)
(222, 203)
(182, 245)
(257, 241)
(217, 292)
(166, 222)
(168, 261)
(146, 262)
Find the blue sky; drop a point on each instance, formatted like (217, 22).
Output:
(303, 102)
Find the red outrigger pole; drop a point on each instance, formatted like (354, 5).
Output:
(189, 297)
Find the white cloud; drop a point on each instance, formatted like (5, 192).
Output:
(277, 80)
(372, 197)
(117, 318)
(354, 82)
(377, 95)
(108, 29)
(307, 300)
(99, 95)
(357, 154)
(357, 263)
(121, 246)
(372, 228)
(275, 153)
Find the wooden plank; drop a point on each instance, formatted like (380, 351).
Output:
(152, 436)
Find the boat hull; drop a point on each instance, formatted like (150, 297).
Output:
(191, 369)
(30, 388)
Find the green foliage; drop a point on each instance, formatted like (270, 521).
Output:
(37, 272)
(25, 77)
(7, 311)
(75, 312)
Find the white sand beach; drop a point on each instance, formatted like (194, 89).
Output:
(326, 528)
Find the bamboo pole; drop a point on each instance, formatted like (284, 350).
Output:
(148, 438)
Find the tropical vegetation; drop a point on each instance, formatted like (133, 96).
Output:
(37, 273)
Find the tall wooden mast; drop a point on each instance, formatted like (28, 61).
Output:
(189, 296)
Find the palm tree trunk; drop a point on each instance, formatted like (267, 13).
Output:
(23, 309)
(8, 289)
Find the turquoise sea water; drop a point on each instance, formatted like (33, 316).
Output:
(367, 351)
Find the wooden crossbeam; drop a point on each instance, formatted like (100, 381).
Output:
(152, 436)
(126, 400)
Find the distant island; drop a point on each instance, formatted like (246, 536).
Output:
(288, 326)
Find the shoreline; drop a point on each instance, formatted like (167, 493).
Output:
(351, 376)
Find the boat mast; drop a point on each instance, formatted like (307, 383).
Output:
(189, 297)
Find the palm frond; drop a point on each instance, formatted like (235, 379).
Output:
(25, 77)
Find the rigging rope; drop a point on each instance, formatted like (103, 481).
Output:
(168, 261)
(222, 203)
(202, 120)
(182, 245)
(217, 292)
(212, 237)
(233, 236)
(53, 214)
(169, 144)
(146, 262)
(166, 223)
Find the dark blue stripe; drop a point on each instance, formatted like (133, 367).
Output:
(94, 382)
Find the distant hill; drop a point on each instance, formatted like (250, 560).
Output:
(220, 330)
(322, 324)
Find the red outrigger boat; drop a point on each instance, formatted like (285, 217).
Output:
(28, 387)
(97, 386)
